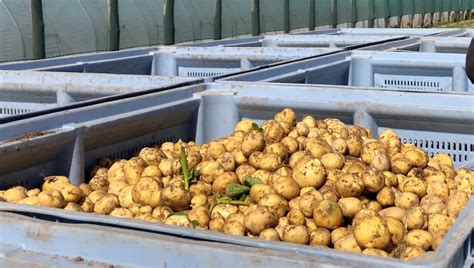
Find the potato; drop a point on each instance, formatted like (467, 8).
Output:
(386, 197)
(151, 156)
(133, 169)
(51, 198)
(390, 179)
(414, 185)
(309, 172)
(15, 194)
(209, 170)
(260, 190)
(350, 206)
(71, 193)
(145, 209)
(349, 185)
(372, 232)
(400, 165)
(52, 180)
(438, 222)
(373, 180)
(144, 191)
(253, 142)
(98, 170)
(244, 170)
(415, 218)
(85, 188)
(308, 202)
(86, 204)
(200, 187)
(373, 205)
(286, 187)
(122, 213)
(176, 198)
(419, 238)
(276, 202)
(161, 212)
(200, 215)
(116, 171)
(297, 234)
(290, 144)
(220, 183)
(269, 234)
(178, 220)
(354, 145)
(126, 197)
(263, 175)
(317, 147)
(395, 212)
(456, 202)
(339, 233)
(33, 192)
(416, 157)
(332, 161)
(224, 210)
(30, 200)
(98, 182)
(320, 237)
(465, 182)
(348, 243)
(217, 224)
(438, 237)
(296, 217)
(438, 189)
(396, 228)
(328, 214)
(381, 162)
(106, 204)
(73, 207)
(260, 219)
(370, 150)
(234, 228)
(152, 171)
(436, 208)
(270, 162)
(227, 161)
(199, 200)
(363, 214)
(406, 200)
(244, 125)
(272, 132)
(135, 208)
(375, 252)
(216, 149)
(411, 252)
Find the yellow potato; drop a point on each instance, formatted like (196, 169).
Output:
(320, 237)
(52, 180)
(349, 185)
(133, 169)
(269, 234)
(276, 202)
(327, 214)
(15, 194)
(372, 232)
(396, 228)
(234, 228)
(297, 234)
(350, 206)
(419, 238)
(286, 187)
(260, 219)
(51, 198)
(106, 204)
(348, 243)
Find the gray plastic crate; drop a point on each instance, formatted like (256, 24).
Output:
(412, 32)
(406, 71)
(197, 62)
(330, 41)
(83, 57)
(445, 123)
(26, 91)
(445, 44)
(29, 242)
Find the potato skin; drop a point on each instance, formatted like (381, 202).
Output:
(328, 214)
(234, 228)
(297, 234)
(15, 194)
(419, 238)
(51, 198)
(372, 232)
(106, 204)
(349, 185)
(348, 243)
(309, 172)
(320, 237)
(260, 219)
(269, 234)
(176, 198)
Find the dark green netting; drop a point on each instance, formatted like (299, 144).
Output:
(455, 5)
(299, 14)
(419, 6)
(271, 15)
(325, 13)
(364, 10)
(381, 9)
(438, 5)
(395, 7)
(429, 6)
(446, 5)
(346, 11)
(236, 18)
(408, 7)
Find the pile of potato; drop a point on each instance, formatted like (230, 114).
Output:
(313, 182)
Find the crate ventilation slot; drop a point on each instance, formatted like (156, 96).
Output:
(204, 72)
(418, 83)
(458, 151)
(13, 111)
(127, 153)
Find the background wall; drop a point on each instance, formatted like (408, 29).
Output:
(77, 26)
